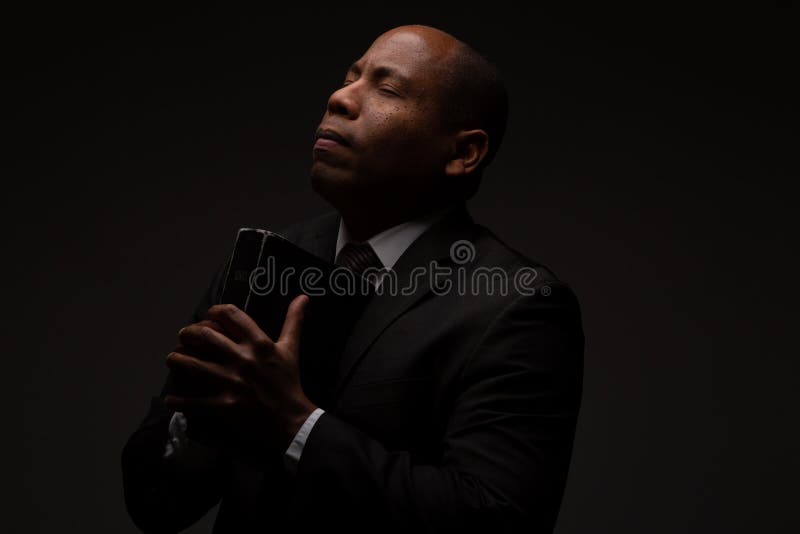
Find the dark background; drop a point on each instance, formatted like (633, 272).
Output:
(650, 161)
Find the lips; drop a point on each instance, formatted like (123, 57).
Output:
(330, 135)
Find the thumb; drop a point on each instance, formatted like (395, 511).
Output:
(290, 333)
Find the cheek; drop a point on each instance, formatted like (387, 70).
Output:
(400, 135)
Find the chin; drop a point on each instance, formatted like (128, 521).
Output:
(331, 183)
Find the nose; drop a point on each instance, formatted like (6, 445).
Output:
(344, 101)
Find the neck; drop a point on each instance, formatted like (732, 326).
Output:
(362, 226)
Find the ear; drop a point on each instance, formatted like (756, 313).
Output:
(469, 149)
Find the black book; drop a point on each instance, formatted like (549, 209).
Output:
(265, 273)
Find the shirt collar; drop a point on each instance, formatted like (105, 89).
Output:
(390, 244)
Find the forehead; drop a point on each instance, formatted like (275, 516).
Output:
(410, 54)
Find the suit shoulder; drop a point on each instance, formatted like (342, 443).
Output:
(493, 251)
(310, 226)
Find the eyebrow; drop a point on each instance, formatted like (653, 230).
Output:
(382, 71)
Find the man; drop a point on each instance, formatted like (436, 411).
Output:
(453, 410)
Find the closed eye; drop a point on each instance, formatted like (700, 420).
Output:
(385, 89)
(388, 90)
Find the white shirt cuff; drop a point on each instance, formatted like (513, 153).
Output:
(177, 435)
(292, 455)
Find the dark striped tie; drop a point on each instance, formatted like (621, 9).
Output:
(358, 256)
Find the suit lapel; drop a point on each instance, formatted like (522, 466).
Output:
(383, 309)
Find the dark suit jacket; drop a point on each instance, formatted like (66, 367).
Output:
(452, 412)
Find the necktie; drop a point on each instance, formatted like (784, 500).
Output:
(358, 256)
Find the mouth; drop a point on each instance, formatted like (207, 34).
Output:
(326, 136)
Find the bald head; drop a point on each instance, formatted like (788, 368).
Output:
(437, 42)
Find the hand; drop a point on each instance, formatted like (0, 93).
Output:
(258, 392)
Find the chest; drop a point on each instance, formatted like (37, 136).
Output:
(403, 386)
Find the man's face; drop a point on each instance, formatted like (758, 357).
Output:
(385, 140)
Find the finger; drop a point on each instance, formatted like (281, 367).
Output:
(241, 326)
(292, 325)
(210, 343)
(212, 325)
(203, 371)
(205, 322)
(209, 323)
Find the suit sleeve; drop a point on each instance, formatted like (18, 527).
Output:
(170, 494)
(505, 449)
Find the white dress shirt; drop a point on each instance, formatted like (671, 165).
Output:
(388, 245)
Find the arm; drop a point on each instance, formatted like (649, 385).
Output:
(505, 449)
(169, 494)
